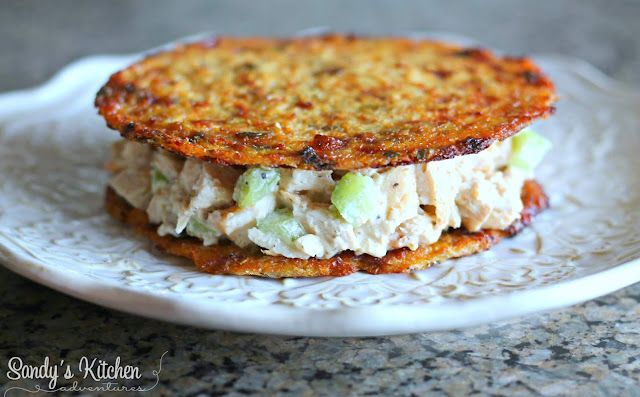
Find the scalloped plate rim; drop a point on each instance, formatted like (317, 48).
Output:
(340, 322)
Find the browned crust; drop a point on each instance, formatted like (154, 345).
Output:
(309, 103)
(230, 259)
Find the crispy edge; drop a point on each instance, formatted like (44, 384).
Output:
(233, 260)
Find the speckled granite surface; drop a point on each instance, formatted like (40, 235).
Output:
(589, 349)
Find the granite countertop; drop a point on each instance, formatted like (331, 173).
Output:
(588, 349)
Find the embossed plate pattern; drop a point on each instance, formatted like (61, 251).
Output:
(54, 230)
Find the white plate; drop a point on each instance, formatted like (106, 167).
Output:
(54, 230)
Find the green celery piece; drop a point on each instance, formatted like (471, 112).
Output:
(354, 198)
(254, 184)
(196, 228)
(158, 179)
(282, 224)
(528, 149)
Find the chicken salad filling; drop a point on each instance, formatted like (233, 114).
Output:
(305, 213)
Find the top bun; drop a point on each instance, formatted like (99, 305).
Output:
(330, 102)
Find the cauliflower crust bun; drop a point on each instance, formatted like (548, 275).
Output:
(330, 102)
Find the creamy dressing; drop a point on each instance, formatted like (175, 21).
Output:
(415, 203)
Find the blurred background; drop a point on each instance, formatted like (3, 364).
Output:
(39, 37)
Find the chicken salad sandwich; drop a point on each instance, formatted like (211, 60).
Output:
(321, 156)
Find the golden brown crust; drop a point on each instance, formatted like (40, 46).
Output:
(230, 259)
(334, 102)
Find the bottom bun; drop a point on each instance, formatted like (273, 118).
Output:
(228, 258)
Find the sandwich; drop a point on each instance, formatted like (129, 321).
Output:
(327, 155)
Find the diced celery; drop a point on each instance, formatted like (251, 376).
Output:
(254, 184)
(196, 228)
(282, 224)
(355, 198)
(158, 179)
(528, 149)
